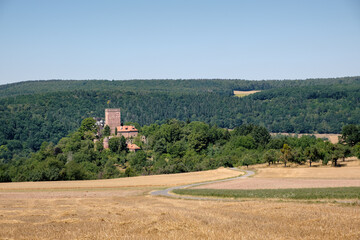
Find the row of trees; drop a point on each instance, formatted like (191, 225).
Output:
(172, 147)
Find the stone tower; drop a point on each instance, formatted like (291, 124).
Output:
(112, 118)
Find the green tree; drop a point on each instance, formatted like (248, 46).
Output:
(345, 151)
(351, 134)
(334, 153)
(356, 150)
(99, 146)
(138, 161)
(270, 156)
(130, 172)
(286, 154)
(107, 131)
(110, 171)
(117, 144)
(248, 159)
(261, 135)
(88, 124)
(313, 154)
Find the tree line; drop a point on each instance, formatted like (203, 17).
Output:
(171, 147)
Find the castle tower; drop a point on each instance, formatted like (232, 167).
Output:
(112, 118)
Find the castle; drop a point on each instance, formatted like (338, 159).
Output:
(113, 120)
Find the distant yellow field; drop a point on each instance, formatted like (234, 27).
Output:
(333, 138)
(245, 93)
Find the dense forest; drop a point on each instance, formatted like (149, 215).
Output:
(172, 147)
(38, 111)
(180, 86)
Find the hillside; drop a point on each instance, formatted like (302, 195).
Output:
(184, 86)
(37, 111)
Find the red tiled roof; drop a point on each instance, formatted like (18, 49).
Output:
(132, 146)
(126, 129)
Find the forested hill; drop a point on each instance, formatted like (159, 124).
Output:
(213, 85)
(33, 112)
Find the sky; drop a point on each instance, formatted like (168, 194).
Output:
(178, 39)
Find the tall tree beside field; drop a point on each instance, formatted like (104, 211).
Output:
(286, 154)
(271, 156)
(345, 151)
(313, 154)
(356, 150)
(335, 152)
(351, 134)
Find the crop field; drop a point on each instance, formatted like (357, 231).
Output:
(289, 193)
(333, 138)
(141, 181)
(245, 93)
(282, 183)
(123, 209)
(313, 172)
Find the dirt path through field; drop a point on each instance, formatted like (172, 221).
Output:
(167, 192)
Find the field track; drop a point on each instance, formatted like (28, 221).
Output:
(167, 191)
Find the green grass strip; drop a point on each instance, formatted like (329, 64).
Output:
(300, 193)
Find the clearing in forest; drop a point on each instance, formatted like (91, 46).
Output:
(333, 138)
(244, 93)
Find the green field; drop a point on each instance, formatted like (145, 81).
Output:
(301, 193)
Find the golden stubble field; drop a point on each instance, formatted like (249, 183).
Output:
(297, 177)
(129, 212)
(244, 93)
(333, 138)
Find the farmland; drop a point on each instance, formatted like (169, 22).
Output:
(288, 193)
(123, 209)
(333, 138)
(245, 93)
(141, 181)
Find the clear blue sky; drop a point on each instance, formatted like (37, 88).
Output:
(175, 39)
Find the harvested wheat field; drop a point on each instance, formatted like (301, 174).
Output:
(333, 138)
(141, 181)
(278, 183)
(127, 212)
(277, 177)
(313, 172)
(245, 93)
(132, 214)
